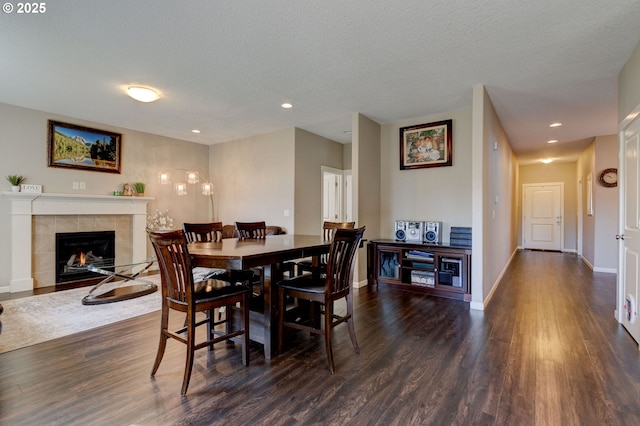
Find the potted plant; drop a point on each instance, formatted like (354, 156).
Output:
(15, 181)
(139, 187)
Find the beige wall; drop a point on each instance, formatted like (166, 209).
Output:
(437, 194)
(606, 207)
(495, 176)
(599, 246)
(554, 172)
(585, 166)
(629, 85)
(24, 134)
(311, 153)
(366, 184)
(254, 178)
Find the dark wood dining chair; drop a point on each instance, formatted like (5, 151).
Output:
(181, 293)
(258, 230)
(324, 291)
(251, 229)
(328, 229)
(212, 232)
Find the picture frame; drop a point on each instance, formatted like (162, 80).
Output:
(83, 148)
(426, 145)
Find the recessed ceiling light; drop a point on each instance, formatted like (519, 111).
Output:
(556, 124)
(547, 160)
(195, 131)
(143, 94)
(553, 141)
(286, 105)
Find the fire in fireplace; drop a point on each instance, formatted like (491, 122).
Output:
(75, 251)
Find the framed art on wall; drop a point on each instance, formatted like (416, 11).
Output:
(84, 148)
(426, 145)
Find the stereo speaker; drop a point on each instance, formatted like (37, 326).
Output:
(432, 232)
(401, 230)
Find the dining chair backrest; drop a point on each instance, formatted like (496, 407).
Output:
(342, 252)
(206, 232)
(329, 228)
(175, 265)
(251, 229)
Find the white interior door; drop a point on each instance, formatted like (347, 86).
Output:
(629, 232)
(543, 216)
(332, 190)
(348, 195)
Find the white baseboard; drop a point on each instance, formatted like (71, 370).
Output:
(360, 284)
(586, 262)
(479, 306)
(605, 270)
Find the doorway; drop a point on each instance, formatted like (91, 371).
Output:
(336, 195)
(629, 230)
(543, 216)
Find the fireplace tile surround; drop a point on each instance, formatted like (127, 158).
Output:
(35, 219)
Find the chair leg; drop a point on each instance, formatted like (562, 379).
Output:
(211, 319)
(281, 313)
(191, 342)
(328, 315)
(162, 344)
(245, 326)
(350, 326)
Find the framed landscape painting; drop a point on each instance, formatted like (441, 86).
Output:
(83, 148)
(426, 145)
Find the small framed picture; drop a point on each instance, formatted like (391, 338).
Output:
(78, 147)
(426, 145)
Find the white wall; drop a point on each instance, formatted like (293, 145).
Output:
(254, 179)
(24, 142)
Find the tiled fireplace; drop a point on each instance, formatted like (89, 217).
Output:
(36, 218)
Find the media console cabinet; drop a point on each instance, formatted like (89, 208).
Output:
(437, 269)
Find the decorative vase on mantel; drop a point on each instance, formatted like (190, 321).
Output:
(15, 188)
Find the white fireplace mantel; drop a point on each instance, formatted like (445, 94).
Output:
(22, 206)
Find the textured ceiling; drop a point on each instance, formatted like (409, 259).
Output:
(224, 67)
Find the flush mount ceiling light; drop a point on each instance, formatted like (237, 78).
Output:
(556, 124)
(195, 131)
(546, 160)
(553, 141)
(143, 94)
(286, 105)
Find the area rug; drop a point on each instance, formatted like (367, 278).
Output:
(36, 319)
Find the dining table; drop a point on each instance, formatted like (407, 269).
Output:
(269, 253)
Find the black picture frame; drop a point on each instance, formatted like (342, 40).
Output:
(426, 145)
(77, 147)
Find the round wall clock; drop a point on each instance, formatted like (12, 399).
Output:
(608, 178)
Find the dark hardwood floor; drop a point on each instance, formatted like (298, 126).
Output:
(547, 351)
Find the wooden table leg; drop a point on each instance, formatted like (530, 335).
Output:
(272, 275)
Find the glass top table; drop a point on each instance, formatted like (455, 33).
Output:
(127, 272)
